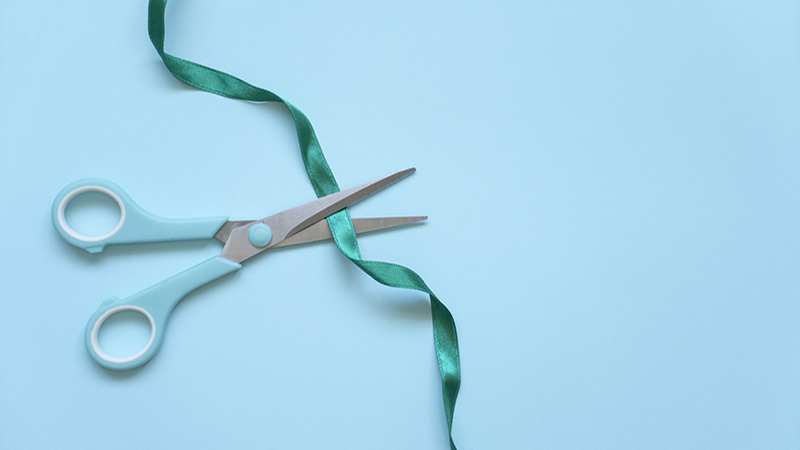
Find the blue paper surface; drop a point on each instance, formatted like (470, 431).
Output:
(613, 199)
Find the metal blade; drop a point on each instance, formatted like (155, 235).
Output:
(285, 224)
(320, 231)
(225, 232)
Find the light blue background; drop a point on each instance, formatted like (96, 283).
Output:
(613, 199)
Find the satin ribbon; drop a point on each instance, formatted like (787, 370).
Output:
(205, 78)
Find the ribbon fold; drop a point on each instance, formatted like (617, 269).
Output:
(211, 80)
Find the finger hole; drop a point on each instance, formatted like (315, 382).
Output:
(123, 334)
(91, 214)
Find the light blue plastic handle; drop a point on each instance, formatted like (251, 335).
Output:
(135, 224)
(156, 303)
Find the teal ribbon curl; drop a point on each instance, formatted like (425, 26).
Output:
(319, 172)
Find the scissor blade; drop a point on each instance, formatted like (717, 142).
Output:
(320, 231)
(284, 224)
(225, 231)
(305, 215)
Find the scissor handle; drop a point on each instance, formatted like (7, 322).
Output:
(135, 224)
(156, 304)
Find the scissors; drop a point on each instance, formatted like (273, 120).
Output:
(243, 240)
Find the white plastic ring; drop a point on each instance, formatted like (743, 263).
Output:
(121, 359)
(62, 219)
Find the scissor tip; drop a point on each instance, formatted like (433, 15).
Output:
(398, 175)
(415, 219)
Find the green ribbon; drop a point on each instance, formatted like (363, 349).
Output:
(322, 179)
